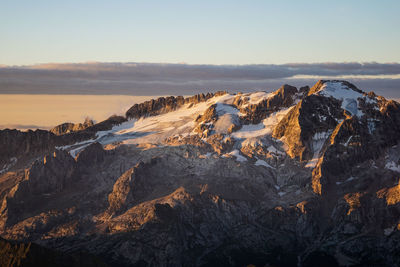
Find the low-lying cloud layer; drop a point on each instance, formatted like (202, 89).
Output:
(184, 79)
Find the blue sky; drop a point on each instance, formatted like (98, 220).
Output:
(199, 32)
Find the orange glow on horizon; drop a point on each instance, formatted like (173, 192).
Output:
(47, 111)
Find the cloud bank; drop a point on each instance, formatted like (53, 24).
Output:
(183, 79)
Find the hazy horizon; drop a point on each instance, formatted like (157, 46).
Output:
(146, 79)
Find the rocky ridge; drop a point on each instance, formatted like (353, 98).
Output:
(69, 127)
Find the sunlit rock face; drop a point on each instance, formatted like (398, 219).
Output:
(68, 127)
(306, 177)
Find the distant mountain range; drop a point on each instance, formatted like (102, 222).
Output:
(297, 177)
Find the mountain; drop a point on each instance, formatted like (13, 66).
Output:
(296, 177)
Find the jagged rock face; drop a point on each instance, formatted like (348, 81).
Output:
(65, 128)
(356, 140)
(166, 104)
(69, 127)
(91, 155)
(304, 177)
(44, 177)
(129, 188)
(283, 97)
(312, 115)
(101, 126)
(14, 143)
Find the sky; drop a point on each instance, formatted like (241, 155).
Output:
(199, 32)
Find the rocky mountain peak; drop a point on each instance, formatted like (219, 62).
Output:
(333, 85)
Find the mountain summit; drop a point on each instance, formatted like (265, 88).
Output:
(306, 177)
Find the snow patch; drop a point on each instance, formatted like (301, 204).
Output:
(318, 141)
(206, 156)
(281, 194)
(224, 122)
(235, 153)
(371, 123)
(224, 109)
(181, 122)
(351, 178)
(154, 129)
(275, 151)
(388, 231)
(7, 166)
(348, 141)
(77, 150)
(257, 97)
(264, 128)
(348, 96)
(260, 162)
(392, 166)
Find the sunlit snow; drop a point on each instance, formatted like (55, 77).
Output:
(235, 153)
(348, 96)
(181, 122)
(264, 128)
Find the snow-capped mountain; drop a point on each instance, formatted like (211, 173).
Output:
(305, 177)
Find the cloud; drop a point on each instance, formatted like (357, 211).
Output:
(163, 79)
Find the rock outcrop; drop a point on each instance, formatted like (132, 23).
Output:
(69, 127)
(282, 98)
(166, 104)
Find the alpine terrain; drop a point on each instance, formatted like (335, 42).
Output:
(297, 177)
